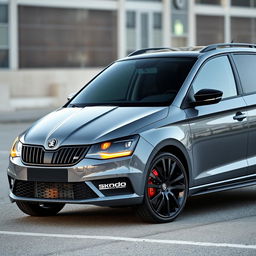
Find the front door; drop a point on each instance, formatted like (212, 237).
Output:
(218, 135)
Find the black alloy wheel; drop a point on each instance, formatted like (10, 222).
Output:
(166, 189)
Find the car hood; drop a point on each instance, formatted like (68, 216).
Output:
(89, 125)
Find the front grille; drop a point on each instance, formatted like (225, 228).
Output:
(50, 190)
(62, 156)
(32, 154)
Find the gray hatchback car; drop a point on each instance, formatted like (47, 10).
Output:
(148, 131)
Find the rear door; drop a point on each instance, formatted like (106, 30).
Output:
(246, 66)
(218, 137)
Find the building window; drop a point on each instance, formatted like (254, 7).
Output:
(157, 20)
(4, 35)
(131, 27)
(130, 19)
(243, 30)
(244, 3)
(59, 37)
(209, 29)
(212, 2)
(179, 16)
(157, 29)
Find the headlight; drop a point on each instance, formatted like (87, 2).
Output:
(16, 148)
(113, 149)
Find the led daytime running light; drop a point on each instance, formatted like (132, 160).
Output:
(105, 155)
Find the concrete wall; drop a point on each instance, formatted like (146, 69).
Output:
(33, 88)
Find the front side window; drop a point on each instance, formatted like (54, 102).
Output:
(246, 65)
(216, 74)
(153, 81)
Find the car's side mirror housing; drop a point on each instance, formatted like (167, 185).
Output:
(70, 96)
(207, 97)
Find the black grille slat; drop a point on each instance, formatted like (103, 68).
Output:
(37, 154)
(67, 156)
(75, 154)
(62, 152)
(30, 154)
(53, 190)
(34, 155)
(42, 156)
(57, 157)
(71, 155)
(62, 156)
(54, 157)
(80, 152)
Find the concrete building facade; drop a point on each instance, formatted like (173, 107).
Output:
(51, 48)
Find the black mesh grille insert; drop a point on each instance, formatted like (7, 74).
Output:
(62, 156)
(50, 190)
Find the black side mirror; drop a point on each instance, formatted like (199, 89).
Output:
(207, 97)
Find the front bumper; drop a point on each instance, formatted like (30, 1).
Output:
(89, 173)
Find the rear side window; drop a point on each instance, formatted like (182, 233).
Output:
(246, 66)
(216, 74)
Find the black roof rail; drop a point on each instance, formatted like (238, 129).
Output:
(212, 47)
(141, 51)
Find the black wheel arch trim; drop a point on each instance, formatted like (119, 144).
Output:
(179, 146)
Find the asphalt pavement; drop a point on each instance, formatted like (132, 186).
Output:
(217, 224)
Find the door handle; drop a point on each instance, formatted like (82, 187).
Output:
(239, 116)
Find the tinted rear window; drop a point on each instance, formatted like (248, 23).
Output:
(137, 82)
(246, 65)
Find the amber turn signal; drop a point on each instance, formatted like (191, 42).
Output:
(105, 145)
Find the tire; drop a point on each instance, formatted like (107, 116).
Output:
(166, 189)
(40, 209)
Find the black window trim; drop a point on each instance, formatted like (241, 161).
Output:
(243, 93)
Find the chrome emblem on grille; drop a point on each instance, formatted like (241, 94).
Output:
(52, 143)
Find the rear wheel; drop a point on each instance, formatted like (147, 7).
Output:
(40, 209)
(166, 189)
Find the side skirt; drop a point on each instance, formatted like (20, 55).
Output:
(240, 182)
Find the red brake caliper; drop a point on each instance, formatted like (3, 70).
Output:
(152, 191)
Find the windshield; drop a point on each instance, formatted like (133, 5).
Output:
(136, 82)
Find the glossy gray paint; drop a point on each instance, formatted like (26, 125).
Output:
(219, 150)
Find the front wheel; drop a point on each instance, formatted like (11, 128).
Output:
(166, 189)
(40, 209)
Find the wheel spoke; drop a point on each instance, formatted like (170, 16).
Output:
(168, 205)
(154, 200)
(178, 187)
(169, 167)
(176, 202)
(180, 177)
(160, 205)
(164, 168)
(154, 186)
(171, 170)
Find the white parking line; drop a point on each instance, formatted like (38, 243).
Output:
(131, 239)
